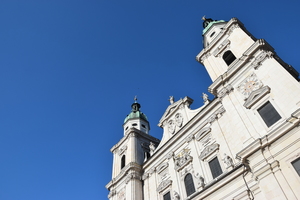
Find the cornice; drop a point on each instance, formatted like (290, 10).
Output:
(127, 171)
(268, 139)
(133, 132)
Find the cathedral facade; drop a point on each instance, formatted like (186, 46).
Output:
(243, 144)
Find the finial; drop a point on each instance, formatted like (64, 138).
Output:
(135, 99)
(203, 18)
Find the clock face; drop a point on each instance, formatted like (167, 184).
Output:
(249, 85)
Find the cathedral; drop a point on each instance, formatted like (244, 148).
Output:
(243, 144)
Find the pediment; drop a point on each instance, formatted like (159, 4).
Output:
(173, 108)
(207, 151)
(256, 95)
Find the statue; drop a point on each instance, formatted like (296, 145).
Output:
(171, 99)
(228, 161)
(200, 180)
(176, 196)
(152, 148)
(205, 98)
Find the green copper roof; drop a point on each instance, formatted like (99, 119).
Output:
(210, 24)
(135, 113)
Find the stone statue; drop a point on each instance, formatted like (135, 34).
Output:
(205, 98)
(200, 180)
(152, 148)
(171, 99)
(228, 161)
(176, 196)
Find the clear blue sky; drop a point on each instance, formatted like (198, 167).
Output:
(69, 70)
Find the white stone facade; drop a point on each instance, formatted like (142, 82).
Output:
(251, 128)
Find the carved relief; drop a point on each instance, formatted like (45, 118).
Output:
(222, 48)
(171, 126)
(215, 115)
(203, 132)
(199, 181)
(250, 84)
(122, 150)
(163, 185)
(178, 119)
(189, 138)
(228, 161)
(132, 175)
(232, 28)
(161, 167)
(122, 195)
(224, 91)
(169, 155)
(111, 193)
(176, 196)
(260, 58)
(182, 159)
(208, 151)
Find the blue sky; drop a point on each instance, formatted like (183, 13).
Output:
(69, 71)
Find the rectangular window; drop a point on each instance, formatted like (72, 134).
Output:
(215, 167)
(167, 196)
(269, 114)
(296, 165)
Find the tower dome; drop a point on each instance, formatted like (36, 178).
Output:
(136, 119)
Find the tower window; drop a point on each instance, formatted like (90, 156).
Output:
(134, 124)
(268, 114)
(167, 196)
(143, 126)
(189, 184)
(212, 34)
(215, 167)
(123, 161)
(228, 57)
(296, 165)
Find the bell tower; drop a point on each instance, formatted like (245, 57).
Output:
(129, 154)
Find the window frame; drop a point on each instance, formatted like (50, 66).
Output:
(264, 117)
(189, 192)
(211, 171)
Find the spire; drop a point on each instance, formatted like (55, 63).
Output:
(207, 21)
(135, 112)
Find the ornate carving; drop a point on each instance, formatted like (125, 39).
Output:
(205, 99)
(122, 194)
(203, 132)
(178, 119)
(189, 138)
(208, 151)
(169, 155)
(199, 181)
(111, 193)
(132, 175)
(171, 99)
(224, 91)
(224, 46)
(171, 126)
(176, 196)
(228, 161)
(122, 150)
(260, 58)
(152, 148)
(161, 167)
(250, 84)
(163, 185)
(234, 26)
(182, 159)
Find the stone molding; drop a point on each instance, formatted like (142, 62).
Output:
(222, 48)
(122, 150)
(163, 185)
(133, 175)
(241, 62)
(161, 167)
(260, 58)
(208, 151)
(224, 91)
(183, 159)
(256, 95)
(203, 132)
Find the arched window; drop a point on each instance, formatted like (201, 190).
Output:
(228, 57)
(123, 161)
(189, 184)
